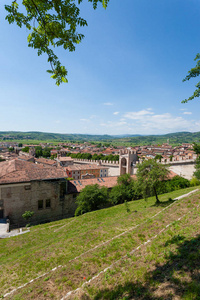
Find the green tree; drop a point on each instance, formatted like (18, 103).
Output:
(27, 216)
(125, 190)
(92, 197)
(38, 151)
(149, 174)
(46, 152)
(25, 149)
(116, 157)
(194, 72)
(11, 149)
(197, 167)
(158, 157)
(95, 157)
(52, 23)
(196, 148)
(88, 156)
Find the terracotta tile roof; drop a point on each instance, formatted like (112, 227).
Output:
(45, 161)
(67, 158)
(27, 158)
(22, 171)
(8, 155)
(78, 167)
(171, 174)
(75, 186)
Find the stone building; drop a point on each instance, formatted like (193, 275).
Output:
(65, 161)
(26, 186)
(85, 171)
(127, 161)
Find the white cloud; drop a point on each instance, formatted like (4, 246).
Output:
(84, 120)
(108, 103)
(116, 113)
(198, 124)
(187, 113)
(57, 121)
(113, 124)
(93, 116)
(148, 122)
(137, 115)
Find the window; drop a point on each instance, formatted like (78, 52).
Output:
(48, 203)
(27, 187)
(40, 204)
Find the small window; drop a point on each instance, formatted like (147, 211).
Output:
(48, 203)
(40, 204)
(27, 187)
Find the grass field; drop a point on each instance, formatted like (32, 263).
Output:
(141, 251)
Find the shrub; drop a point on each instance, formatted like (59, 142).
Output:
(28, 214)
(194, 181)
(179, 182)
(92, 197)
(173, 184)
(126, 190)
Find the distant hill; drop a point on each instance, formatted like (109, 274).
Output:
(173, 138)
(45, 136)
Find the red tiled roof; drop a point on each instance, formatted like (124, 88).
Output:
(42, 160)
(171, 174)
(22, 171)
(25, 157)
(75, 186)
(67, 158)
(85, 167)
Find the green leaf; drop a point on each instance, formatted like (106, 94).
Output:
(64, 79)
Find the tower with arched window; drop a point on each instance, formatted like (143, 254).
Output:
(127, 161)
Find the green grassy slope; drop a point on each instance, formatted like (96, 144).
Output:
(167, 262)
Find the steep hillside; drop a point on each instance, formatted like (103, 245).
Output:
(141, 251)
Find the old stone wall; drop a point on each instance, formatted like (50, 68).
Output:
(183, 170)
(69, 205)
(47, 199)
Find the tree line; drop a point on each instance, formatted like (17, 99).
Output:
(95, 156)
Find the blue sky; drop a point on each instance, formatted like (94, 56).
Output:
(124, 78)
